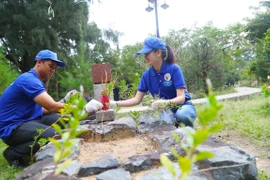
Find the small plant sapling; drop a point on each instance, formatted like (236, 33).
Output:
(71, 115)
(106, 92)
(206, 117)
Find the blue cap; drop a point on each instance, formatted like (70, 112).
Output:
(47, 54)
(151, 43)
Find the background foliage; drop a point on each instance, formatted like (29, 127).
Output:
(238, 53)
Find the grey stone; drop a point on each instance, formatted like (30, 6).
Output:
(38, 170)
(230, 163)
(163, 173)
(147, 119)
(72, 169)
(105, 115)
(156, 126)
(113, 132)
(49, 149)
(106, 162)
(164, 139)
(137, 163)
(114, 174)
(128, 121)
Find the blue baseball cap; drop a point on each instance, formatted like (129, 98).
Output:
(151, 43)
(47, 54)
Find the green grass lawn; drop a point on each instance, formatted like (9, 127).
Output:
(249, 117)
(7, 172)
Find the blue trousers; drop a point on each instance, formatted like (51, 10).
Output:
(183, 114)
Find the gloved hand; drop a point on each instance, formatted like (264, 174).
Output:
(159, 104)
(67, 97)
(93, 106)
(113, 104)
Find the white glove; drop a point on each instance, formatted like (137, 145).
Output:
(159, 104)
(67, 97)
(113, 104)
(93, 106)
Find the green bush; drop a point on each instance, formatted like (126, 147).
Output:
(7, 73)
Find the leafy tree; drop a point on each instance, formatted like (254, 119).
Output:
(86, 55)
(26, 28)
(178, 40)
(263, 57)
(257, 26)
(237, 50)
(209, 52)
(206, 59)
(130, 63)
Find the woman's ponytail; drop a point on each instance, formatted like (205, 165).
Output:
(168, 55)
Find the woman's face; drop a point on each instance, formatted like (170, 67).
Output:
(153, 57)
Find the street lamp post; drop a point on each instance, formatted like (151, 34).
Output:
(149, 9)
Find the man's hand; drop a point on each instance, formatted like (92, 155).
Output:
(159, 104)
(93, 106)
(113, 104)
(67, 97)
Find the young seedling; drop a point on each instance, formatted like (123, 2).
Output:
(135, 115)
(71, 115)
(206, 117)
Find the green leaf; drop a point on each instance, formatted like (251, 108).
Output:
(204, 155)
(65, 136)
(40, 130)
(49, 10)
(68, 144)
(168, 164)
(185, 164)
(174, 152)
(199, 137)
(42, 141)
(62, 166)
(215, 128)
(57, 128)
(66, 153)
(65, 119)
(77, 133)
(56, 156)
(176, 137)
(55, 142)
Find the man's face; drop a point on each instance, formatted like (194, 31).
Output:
(47, 68)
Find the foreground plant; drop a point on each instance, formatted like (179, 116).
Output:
(71, 115)
(194, 139)
(73, 112)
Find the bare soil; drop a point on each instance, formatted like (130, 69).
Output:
(124, 148)
(121, 149)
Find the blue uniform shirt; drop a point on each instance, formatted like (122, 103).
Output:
(164, 83)
(17, 103)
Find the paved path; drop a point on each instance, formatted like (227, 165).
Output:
(242, 92)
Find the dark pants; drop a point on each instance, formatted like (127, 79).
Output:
(22, 136)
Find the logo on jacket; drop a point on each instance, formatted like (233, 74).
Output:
(167, 78)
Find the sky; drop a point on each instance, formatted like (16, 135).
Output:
(131, 18)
